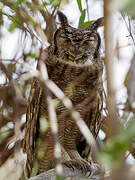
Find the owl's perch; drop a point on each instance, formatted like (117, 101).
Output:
(68, 173)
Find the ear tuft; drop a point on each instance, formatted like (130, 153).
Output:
(63, 19)
(98, 23)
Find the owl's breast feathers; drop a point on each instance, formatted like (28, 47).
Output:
(78, 83)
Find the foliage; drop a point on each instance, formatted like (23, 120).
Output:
(114, 149)
(82, 24)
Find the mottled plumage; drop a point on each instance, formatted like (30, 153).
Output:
(74, 64)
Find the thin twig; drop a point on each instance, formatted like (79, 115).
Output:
(23, 27)
(129, 28)
(54, 125)
(68, 104)
(43, 77)
(16, 99)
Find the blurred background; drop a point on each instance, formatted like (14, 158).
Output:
(27, 26)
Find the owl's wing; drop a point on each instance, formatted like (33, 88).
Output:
(32, 116)
(95, 117)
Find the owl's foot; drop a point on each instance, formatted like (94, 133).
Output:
(80, 164)
(95, 168)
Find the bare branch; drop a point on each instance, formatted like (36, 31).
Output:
(68, 173)
(129, 28)
(54, 125)
(113, 122)
(12, 168)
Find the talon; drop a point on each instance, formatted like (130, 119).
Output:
(82, 165)
(88, 174)
(69, 164)
(86, 168)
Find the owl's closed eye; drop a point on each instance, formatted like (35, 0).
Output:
(76, 46)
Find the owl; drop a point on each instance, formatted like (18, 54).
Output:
(75, 66)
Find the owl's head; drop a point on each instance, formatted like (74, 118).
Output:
(77, 46)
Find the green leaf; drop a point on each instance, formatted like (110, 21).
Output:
(55, 2)
(32, 22)
(115, 147)
(83, 24)
(20, 1)
(79, 5)
(86, 24)
(82, 18)
(15, 23)
(41, 6)
(13, 26)
(32, 55)
(17, 3)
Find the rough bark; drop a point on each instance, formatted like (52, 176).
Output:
(70, 174)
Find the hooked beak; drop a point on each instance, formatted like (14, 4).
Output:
(76, 49)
